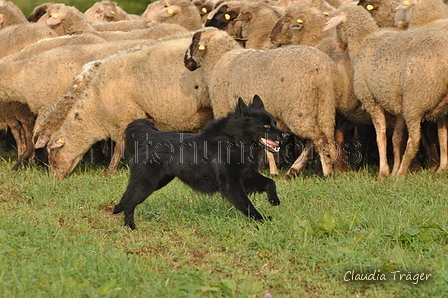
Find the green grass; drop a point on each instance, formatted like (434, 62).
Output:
(59, 238)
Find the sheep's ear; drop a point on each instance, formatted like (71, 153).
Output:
(43, 139)
(241, 108)
(257, 103)
(170, 11)
(334, 21)
(227, 16)
(247, 16)
(58, 143)
(56, 18)
(405, 4)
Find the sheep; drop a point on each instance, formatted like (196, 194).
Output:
(257, 19)
(10, 15)
(404, 73)
(16, 38)
(44, 45)
(415, 14)
(38, 12)
(382, 11)
(174, 98)
(224, 15)
(182, 12)
(204, 7)
(298, 84)
(65, 19)
(38, 82)
(106, 11)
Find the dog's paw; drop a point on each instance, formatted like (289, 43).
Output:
(117, 209)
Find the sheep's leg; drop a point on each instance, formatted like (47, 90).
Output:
(272, 165)
(379, 122)
(327, 154)
(414, 136)
(28, 154)
(301, 161)
(340, 164)
(443, 143)
(397, 141)
(115, 160)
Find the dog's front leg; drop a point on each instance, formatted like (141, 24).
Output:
(255, 182)
(232, 189)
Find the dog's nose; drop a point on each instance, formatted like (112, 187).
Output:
(285, 135)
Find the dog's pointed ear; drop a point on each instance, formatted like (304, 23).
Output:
(241, 108)
(257, 103)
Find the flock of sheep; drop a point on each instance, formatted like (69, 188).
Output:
(70, 79)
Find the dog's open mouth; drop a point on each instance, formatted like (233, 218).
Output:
(270, 145)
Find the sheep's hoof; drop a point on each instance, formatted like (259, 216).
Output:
(290, 174)
(273, 175)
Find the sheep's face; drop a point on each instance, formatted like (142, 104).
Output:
(193, 56)
(281, 33)
(62, 159)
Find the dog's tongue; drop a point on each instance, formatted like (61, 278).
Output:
(271, 143)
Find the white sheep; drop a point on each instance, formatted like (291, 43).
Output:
(152, 83)
(10, 15)
(106, 11)
(181, 12)
(298, 84)
(415, 14)
(404, 73)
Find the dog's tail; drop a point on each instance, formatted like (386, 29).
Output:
(137, 132)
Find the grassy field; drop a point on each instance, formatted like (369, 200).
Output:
(59, 238)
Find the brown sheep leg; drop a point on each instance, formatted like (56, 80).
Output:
(379, 122)
(301, 161)
(443, 143)
(272, 166)
(115, 160)
(340, 164)
(414, 137)
(397, 141)
(28, 153)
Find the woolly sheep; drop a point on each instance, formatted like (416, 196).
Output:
(65, 19)
(44, 45)
(224, 15)
(415, 14)
(120, 25)
(15, 38)
(403, 73)
(181, 12)
(257, 19)
(298, 85)
(382, 11)
(40, 81)
(38, 12)
(106, 11)
(10, 15)
(174, 98)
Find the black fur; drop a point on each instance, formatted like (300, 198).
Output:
(223, 158)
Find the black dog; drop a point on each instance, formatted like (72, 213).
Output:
(224, 157)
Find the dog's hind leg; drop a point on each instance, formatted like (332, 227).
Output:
(256, 182)
(136, 192)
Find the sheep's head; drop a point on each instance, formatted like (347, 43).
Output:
(340, 40)
(195, 52)
(62, 159)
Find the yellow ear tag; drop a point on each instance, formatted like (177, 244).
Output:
(204, 10)
(201, 48)
(406, 3)
(370, 7)
(227, 16)
(328, 22)
(299, 21)
(326, 13)
(170, 11)
(54, 16)
(61, 141)
(112, 12)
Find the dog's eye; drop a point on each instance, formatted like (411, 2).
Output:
(267, 126)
